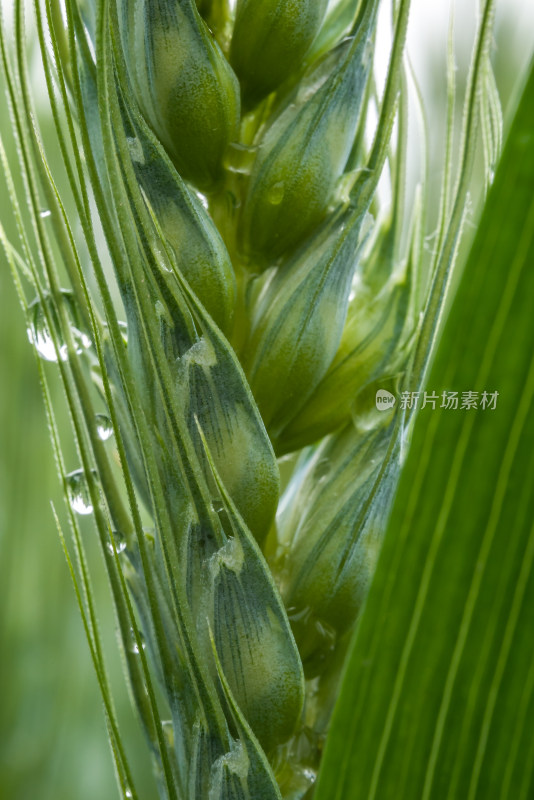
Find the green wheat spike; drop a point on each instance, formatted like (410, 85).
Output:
(236, 293)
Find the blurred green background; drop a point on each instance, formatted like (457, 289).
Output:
(53, 741)
(52, 735)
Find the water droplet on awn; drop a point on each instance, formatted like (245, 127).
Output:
(40, 312)
(120, 544)
(134, 647)
(104, 427)
(78, 492)
(168, 731)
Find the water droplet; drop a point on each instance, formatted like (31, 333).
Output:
(299, 614)
(203, 199)
(217, 506)
(342, 194)
(322, 470)
(327, 633)
(300, 778)
(357, 289)
(128, 793)
(136, 150)
(161, 256)
(275, 194)
(232, 203)
(119, 546)
(309, 774)
(240, 158)
(229, 557)
(168, 731)
(311, 84)
(39, 336)
(150, 537)
(78, 492)
(47, 346)
(285, 459)
(45, 213)
(163, 314)
(201, 353)
(123, 328)
(134, 647)
(104, 427)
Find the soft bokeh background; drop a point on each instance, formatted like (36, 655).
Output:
(53, 741)
(52, 734)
